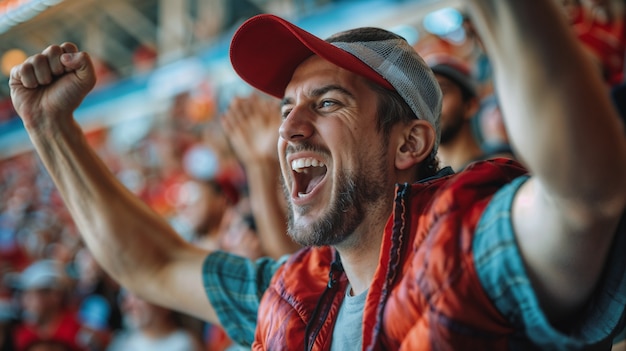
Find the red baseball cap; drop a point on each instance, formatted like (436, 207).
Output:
(266, 50)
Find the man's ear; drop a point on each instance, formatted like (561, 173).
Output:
(416, 144)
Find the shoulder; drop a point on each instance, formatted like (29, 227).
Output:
(463, 190)
(497, 171)
(445, 219)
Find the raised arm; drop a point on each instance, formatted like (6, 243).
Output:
(251, 124)
(562, 125)
(132, 243)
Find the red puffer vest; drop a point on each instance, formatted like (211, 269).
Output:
(425, 291)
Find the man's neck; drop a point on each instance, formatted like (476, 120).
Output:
(360, 259)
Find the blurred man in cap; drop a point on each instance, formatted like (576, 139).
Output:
(458, 145)
(43, 289)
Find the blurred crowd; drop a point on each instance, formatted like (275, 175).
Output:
(52, 289)
(194, 168)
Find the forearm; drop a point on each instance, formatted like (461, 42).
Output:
(269, 209)
(117, 227)
(559, 123)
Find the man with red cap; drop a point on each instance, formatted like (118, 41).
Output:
(398, 255)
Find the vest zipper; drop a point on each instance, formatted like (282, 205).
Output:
(323, 304)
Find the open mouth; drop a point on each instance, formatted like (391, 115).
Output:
(308, 173)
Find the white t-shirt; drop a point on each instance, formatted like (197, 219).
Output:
(347, 334)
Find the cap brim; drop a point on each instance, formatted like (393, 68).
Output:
(266, 50)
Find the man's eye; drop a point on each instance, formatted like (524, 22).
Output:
(285, 113)
(327, 103)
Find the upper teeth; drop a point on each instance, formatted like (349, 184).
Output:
(300, 164)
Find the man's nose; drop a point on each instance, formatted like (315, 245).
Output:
(297, 125)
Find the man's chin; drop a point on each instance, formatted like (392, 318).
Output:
(302, 235)
(314, 235)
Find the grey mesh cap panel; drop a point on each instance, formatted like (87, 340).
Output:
(406, 71)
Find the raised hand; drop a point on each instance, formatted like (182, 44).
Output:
(49, 86)
(251, 124)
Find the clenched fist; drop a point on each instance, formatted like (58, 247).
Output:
(49, 86)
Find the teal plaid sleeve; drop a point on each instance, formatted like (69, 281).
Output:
(503, 276)
(234, 286)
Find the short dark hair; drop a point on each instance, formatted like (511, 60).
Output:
(363, 34)
(392, 108)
